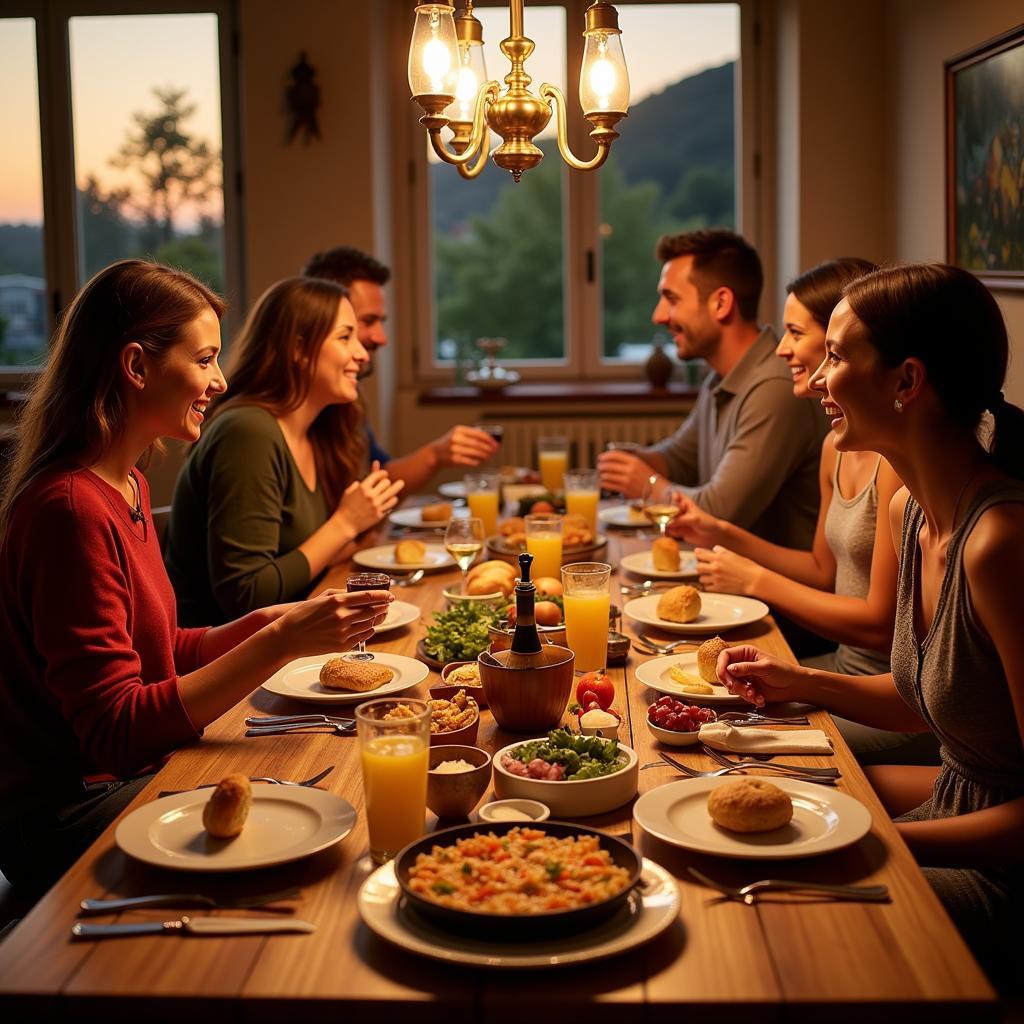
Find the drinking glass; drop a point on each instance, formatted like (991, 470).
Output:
(658, 505)
(552, 461)
(394, 752)
(496, 430)
(631, 447)
(581, 494)
(365, 581)
(483, 492)
(464, 540)
(544, 542)
(587, 605)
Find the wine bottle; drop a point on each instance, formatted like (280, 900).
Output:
(526, 647)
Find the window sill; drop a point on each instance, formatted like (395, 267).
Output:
(524, 394)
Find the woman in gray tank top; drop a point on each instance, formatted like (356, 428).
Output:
(917, 355)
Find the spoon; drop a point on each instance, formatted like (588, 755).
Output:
(408, 581)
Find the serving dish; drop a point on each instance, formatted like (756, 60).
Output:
(656, 674)
(526, 810)
(718, 613)
(454, 795)
(447, 691)
(499, 547)
(528, 699)
(571, 798)
(300, 680)
(574, 919)
(641, 563)
(382, 558)
(411, 519)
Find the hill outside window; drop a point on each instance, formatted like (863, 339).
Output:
(562, 264)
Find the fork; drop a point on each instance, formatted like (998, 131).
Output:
(408, 581)
(192, 899)
(339, 726)
(663, 648)
(285, 719)
(783, 770)
(278, 782)
(753, 718)
(760, 761)
(748, 893)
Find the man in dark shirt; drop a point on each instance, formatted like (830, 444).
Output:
(365, 277)
(749, 451)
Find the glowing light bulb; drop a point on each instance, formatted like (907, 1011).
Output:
(437, 62)
(602, 74)
(465, 92)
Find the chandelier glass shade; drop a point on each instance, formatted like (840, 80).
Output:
(448, 79)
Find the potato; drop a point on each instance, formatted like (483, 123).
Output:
(541, 506)
(547, 613)
(548, 586)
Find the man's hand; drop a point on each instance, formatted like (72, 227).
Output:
(628, 474)
(464, 446)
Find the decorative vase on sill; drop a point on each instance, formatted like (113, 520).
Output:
(658, 367)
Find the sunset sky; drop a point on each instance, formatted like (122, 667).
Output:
(662, 45)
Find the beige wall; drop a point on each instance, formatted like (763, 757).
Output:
(921, 37)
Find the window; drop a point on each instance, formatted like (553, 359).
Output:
(143, 92)
(562, 265)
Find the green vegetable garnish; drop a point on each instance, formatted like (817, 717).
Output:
(461, 633)
(584, 757)
(443, 888)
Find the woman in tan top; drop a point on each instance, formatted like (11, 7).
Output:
(917, 355)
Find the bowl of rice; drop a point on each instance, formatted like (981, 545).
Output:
(457, 777)
(520, 878)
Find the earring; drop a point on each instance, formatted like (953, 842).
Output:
(898, 405)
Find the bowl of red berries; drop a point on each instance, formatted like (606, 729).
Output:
(677, 724)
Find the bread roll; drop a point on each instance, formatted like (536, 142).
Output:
(228, 807)
(410, 552)
(486, 583)
(438, 513)
(749, 805)
(491, 567)
(635, 513)
(357, 676)
(707, 658)
(665, 555)
(680, 604)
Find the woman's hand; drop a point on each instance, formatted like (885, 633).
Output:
(334, 621)
(758, 677)
(366, 502)
(725, 572)
(693, 524)
(464, 446)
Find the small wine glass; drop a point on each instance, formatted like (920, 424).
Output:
(365, 581)
(464, 540)
(658, 505)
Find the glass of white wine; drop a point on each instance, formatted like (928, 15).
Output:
(658, 505)
(464, 540)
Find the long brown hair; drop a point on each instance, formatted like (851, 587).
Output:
(271, 364)
(76, 408)
(947, 318)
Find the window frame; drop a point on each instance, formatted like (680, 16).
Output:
(584, 358)
(56, 144)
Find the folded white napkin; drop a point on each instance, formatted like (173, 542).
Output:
(723, 736)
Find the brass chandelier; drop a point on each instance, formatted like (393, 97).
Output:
(449, 81)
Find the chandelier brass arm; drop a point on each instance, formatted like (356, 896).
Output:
(603, 134)
(469, 136)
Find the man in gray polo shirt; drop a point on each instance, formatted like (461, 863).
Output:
(749, 451)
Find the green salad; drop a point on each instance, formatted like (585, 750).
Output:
(582, 757)
(461, 634)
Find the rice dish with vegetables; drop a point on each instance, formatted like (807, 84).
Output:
(564, 756)
(525, 871)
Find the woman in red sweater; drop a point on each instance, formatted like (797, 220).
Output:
(97, 682)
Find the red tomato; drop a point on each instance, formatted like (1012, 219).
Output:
(599, 685)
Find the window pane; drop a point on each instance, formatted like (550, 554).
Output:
(674, 169)
(497, 246)
(147, 133)
(23, 326)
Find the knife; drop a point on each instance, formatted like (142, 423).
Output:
(193, 926)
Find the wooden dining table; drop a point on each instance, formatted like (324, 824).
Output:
(788, 958)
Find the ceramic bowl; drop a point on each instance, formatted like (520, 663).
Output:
(466, 735)
(501, 637)
(529, 700)
(525, 810)
(448, 690)
(572, 799)
(671, 738)
(455, 795)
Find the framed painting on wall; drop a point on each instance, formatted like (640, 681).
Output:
(985, 160)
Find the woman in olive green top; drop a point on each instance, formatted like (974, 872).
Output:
(270, 497)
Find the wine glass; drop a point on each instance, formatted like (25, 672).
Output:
(657, 503)
(365, 581)
(464, 540)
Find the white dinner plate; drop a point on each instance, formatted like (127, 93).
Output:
(718, 613)
(823, 820)
(411, 518)
(382, 558)
(655, 674)
(400, 613)
(649, 910)
(641, 563)
(618, 515)
(285, 823)
(300, 680)
(452, 489)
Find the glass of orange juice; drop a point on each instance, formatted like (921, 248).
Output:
(587, 604)
(394, 745)
(581, 494)
(482, 495)
(552, 461)
(544, 542)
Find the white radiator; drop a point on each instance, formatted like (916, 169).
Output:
(587, 434)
